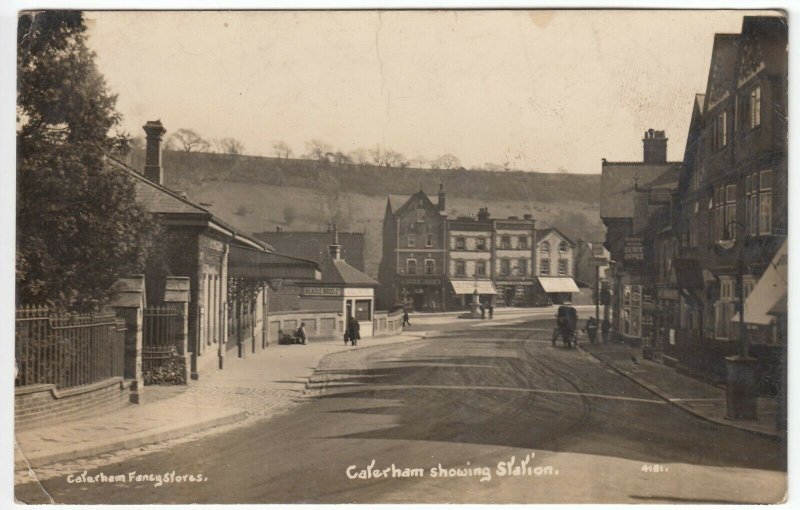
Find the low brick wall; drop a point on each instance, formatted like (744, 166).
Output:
(318, 324)
(387, 323)
(43, 404)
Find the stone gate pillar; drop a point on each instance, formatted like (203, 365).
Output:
(176, 293)
(128, 302)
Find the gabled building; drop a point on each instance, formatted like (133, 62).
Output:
(733, 191)
(634, 197)
(229, 271)
(413, 266)
(555, 267)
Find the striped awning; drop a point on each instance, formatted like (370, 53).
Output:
(552, 284)
(468, 286)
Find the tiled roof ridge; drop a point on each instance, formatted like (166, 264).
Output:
(160, 187)
(132, 171)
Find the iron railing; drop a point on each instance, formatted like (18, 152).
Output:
(68, 350)
(162, 327)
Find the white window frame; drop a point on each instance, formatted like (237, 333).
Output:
(409, 263)
(432, 265)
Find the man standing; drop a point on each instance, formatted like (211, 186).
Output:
(591, 330)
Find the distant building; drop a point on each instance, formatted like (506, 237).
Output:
(631, 194)
(514, 260)
(342, 288)
(315, 245)
(412, 269)
(311, 246)
(470, 245)
(555, 267)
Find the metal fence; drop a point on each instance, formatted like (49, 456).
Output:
(68, 350)
(162, 328)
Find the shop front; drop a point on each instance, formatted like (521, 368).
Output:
(514, 293)
(464, 290)
(356, 302)
(421, 293)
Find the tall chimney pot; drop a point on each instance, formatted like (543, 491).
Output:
(152, 162)
(441, 197)
(654, 145)
(335, 248)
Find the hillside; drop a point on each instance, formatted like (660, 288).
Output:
(256, 194)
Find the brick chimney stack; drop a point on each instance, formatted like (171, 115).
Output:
(152, 161)
(655, 147)
(441, 197)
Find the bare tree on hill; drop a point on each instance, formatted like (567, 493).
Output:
(230, 146)
(317, 149)
(446, 161)
(282, 150)
(189, 140)
(359, 157)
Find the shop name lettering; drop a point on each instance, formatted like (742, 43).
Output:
(505, 468)
(322, 291)
(157, 479)
(634, 252)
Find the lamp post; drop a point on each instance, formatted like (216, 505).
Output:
(474, 305)
(742, 403)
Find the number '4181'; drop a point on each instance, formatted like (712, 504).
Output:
(654, 468)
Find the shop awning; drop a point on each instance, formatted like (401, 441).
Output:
(552, 284)
(768, 292)
(263, 265)
(468, 286)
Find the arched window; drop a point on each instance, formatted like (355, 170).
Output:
(545, 247)
(411, 266)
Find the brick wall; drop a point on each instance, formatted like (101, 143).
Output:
(43, 404)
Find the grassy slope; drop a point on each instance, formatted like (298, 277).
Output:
(253, 193)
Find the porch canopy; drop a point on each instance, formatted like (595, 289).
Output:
(558, 284)
(264, 265)
(769, 292)
(468, 286)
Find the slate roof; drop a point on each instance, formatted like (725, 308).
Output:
(158, 199)
(345, 273)
(723, 68)
(618, 185)
(314, 245)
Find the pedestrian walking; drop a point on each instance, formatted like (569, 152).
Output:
(605, 328)
(491, 310)
(405, 318)
(353, 331)
(591, 330)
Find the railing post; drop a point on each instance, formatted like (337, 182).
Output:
(176, 293)
(129, 301)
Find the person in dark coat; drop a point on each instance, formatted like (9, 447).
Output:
(491, 310)
(591, 329)
(405, 318)
(301, 333)
(353, 331)
(483, 311)
(605, 328)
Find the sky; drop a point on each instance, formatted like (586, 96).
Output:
(548, 91)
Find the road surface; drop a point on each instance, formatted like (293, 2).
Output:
(451, 419)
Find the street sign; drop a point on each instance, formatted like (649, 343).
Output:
(597, 262)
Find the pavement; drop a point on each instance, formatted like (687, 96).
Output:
(258, 386)
(699, 398)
